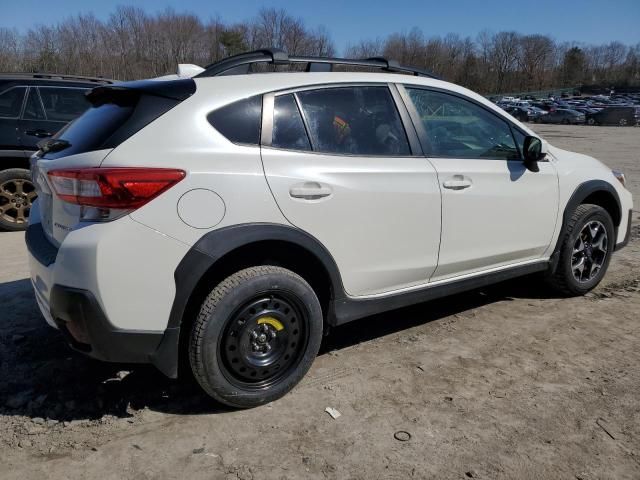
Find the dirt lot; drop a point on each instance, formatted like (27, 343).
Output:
(506, 382)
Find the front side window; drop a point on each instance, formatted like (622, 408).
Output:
(288, 127)
(63, 104)
(458, 128)
(354, 121)
(239, 121)
(11, 102)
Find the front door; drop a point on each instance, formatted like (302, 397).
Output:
(340, 167)
(495, 212)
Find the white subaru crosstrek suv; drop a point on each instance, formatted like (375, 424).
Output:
(226, 221)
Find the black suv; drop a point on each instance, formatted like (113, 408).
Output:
(622, 116)
(32, 107)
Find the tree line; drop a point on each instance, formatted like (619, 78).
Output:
(132, 44)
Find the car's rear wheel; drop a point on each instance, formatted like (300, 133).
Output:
(256, 336)
(587, 244)
(17, 194)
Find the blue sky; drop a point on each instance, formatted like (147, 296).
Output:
(588, 21)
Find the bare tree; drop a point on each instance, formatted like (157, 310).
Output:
(131, 43)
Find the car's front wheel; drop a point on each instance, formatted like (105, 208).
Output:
(17, 194)
(585, 252)
(256, 336)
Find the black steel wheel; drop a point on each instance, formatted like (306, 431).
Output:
(264, 340)
(17, 194)
(256, 336)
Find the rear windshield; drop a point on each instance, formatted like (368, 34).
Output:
(92, 129)
(108, 124)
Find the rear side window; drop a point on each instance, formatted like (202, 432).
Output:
(354, 121)
(240, 121)
(11, 102)
(63, 104)
(288, 127)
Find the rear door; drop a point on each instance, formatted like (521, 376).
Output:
(495, 212)
(33, 124)
(11, 102)
(343, 168)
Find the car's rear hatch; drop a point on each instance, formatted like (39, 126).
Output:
(118, 112)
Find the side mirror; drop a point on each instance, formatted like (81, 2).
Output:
(533, 152)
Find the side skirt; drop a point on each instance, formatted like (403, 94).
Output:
(349, 309)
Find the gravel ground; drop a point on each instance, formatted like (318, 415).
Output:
(505, 382)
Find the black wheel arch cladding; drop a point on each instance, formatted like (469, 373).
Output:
(213, 247)
(592, 191)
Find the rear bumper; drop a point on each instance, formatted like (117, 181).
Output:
(81, 320)
(77, 313)
(105, 295)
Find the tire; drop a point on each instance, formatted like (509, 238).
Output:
(623, 122)
(17, 194)
(591, 121)
(253, 308)
(564, 280)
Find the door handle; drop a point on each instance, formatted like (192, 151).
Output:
(40, 133)
(458, 182)
(310, 191)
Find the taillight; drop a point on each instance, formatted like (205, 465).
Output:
(128, 188)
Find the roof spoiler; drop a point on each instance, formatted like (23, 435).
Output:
(128, 92)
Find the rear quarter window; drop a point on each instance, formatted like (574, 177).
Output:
(240, 121)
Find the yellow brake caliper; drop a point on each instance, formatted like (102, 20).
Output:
(271, 321)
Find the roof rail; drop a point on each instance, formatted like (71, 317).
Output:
(241, 64)
(57, 76)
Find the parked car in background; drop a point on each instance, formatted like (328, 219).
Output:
(525, 114)
(588, 111)
(562, 115)
(622, 116)
(32, 107)
(521, 113)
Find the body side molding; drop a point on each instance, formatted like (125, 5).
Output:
(349, 309)
(212, 247)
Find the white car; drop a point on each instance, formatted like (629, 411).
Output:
(227, 220)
